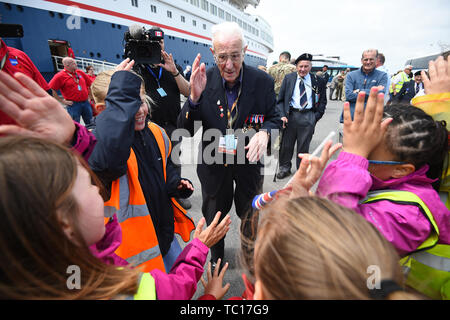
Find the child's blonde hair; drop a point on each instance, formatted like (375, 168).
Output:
(312, 248)
(99, 88)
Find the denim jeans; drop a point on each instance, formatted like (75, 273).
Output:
(81, 109)
(172, 254)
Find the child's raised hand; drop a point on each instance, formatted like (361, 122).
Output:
(310, 170)
(215, 231)
(439, 80)
(367, 129)
(125, 65)
(36, 112)
(214, 283)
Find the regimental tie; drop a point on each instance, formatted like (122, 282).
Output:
(417, 88)
(303, 97)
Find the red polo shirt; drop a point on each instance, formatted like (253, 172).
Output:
(73, 86)
(18, 61)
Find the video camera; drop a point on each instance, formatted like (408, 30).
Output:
(143, 45)
(11, 30)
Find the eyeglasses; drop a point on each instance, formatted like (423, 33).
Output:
(386, 162)
(223, 58)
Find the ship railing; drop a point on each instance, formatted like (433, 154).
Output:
(82, 63)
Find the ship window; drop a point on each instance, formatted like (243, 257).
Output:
(183, 19)
(205, 5)
(169, 14)
(92, 21)
(119, 26)
(204, 26)
(52, 14)
(113, 25)
(117, 56)
(99, 55)
(91, 54)
(234, 19)
(20, 8)
(153, 8)
(195, 3)
(221, 13)
(134, 3)
(194, 23)
(213, 9)
(8, 6)
(86, 20)
(60, 15)
(228, 16)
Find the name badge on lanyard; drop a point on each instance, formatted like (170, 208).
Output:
(160, 90)
(228, 144)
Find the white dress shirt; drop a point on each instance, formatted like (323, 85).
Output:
(295, 100)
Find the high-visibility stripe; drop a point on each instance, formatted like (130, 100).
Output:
(144, 256)
(432, 261)
(437, 258)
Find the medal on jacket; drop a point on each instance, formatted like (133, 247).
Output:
(220, 108)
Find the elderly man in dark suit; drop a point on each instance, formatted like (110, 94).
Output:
(236, 106)
(302, 101)
(409, 89)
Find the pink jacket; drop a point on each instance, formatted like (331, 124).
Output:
(347, 181)
(181, 282)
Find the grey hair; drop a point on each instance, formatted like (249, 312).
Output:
(227, 28)
(370, 50)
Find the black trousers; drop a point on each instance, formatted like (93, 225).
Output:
(300, 129)
(241, 186)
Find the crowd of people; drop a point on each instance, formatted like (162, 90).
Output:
(107, 196)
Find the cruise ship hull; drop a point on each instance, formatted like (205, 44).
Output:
(92, 34)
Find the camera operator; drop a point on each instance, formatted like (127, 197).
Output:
(164, 82)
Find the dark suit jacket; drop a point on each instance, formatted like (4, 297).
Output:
(287, 90)
(407, 92)
(257, 98)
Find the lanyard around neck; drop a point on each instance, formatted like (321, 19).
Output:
(154, 75)
(76, 78)
(4, 61)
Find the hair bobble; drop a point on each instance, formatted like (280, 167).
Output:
(386, 288)
(442, 123)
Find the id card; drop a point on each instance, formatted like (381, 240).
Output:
(79, 88)
(161, 92)
(228, 144)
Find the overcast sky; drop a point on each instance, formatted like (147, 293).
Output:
(401, 29)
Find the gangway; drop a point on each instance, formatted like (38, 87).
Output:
(82, 63)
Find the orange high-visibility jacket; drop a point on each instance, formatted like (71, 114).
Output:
(139, 241)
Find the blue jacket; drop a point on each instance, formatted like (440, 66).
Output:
(364, 82)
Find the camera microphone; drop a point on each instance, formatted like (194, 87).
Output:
(136, 31)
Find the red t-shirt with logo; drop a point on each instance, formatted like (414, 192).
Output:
(73, 85)
(18, 61)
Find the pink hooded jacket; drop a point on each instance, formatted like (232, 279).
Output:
(347, 181)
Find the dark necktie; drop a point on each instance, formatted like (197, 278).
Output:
(417, 88)
(303, 97)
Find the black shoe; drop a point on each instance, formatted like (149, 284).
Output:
(283, 174)
(185, 203)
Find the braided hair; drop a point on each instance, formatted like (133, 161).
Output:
(414, 137)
